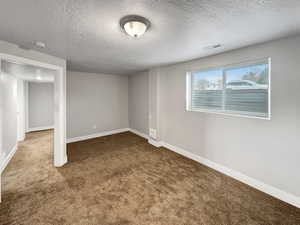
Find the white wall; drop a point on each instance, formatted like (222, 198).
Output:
(8, 109)
(268, 151)
(138, 102)
(40, 105)
(96, 103)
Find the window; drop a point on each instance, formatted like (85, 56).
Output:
(242, 89)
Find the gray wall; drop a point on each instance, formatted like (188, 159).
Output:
(96, 103)
(154, 104)
(138, 102)
(40, 105)
(268, 151)
(8, 93)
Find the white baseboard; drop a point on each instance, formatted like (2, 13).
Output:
(105, 133)
(21, 138)
(266, 188)
(62, 163)
(40, 128)
(4, 162)
(155, 143)
(139, 133)
(275, 192)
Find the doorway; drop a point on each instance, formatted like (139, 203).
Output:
(60, 156)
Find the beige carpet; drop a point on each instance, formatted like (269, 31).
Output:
(121, 179)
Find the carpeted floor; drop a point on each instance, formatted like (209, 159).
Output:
(120, 180)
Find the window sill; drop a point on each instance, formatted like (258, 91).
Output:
(230, 113)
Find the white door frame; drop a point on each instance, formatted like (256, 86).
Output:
(21, 109)
(60, 154)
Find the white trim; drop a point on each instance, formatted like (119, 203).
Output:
(268, 189)
(155, 143)
(230, 113)
(227, 112)
(62, 162)
(1, 123)
(21, 110)
(24, 60)
(60, 152)
(6, 160)
(90, 136)
(270, 87)
(188, 94)
(40, 128)
(26, 87)
(146, 136)
(275, 192)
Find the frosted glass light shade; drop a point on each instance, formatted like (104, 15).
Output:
(134, 26)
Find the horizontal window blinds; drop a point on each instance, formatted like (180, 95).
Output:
(242, 90)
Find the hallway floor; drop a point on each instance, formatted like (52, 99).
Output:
(121, 179)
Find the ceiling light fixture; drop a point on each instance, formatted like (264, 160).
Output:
(134, 26)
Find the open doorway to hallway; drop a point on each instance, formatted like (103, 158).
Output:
(29, 99)
(8, 90)
(27, 110)
(35, 97)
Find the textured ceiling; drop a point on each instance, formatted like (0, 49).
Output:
(87, 33)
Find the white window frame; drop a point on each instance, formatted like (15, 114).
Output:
(227, 67)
